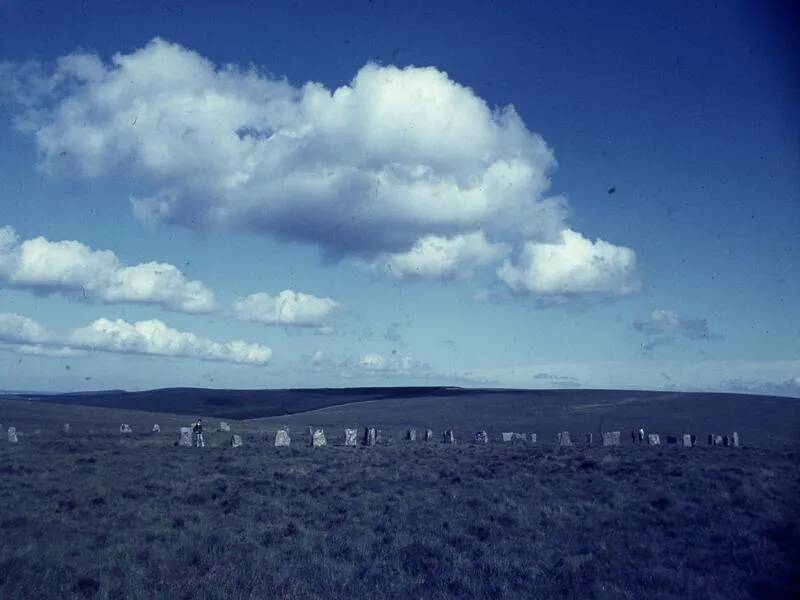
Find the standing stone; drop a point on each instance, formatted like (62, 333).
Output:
(318, 438)
(710, 439)
(672, 439)
(634, 436)
(694, 440)
(533, 437)
(687, 441)
(507, 436)
(589, 439)
(735, 439)
(481, 437)
(236, 440)
(156, 428)
(370, 436)
(653, 439)
(563, 439)
(282, 439)
(350, 437)
(428, 435)
(411, 435)
(125, 428)
(726, 441)
(449, 437)
(718, 440)
(611, 438)
(641, 435)
(223, 426)
(186, 437)
(66, 427)
(12, 435)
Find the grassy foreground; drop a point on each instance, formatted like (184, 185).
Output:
(100, 515)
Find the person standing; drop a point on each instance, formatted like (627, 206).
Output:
(198, 433)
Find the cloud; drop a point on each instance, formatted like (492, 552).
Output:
(788, 387)
(72, 268)
(663, 326)
(439, 257)
(572, 266)
(288, 308)
(150, 337)
(402, 168)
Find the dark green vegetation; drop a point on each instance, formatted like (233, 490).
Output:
(98, 514)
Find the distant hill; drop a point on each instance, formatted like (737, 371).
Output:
(234, 404)
(761, 419)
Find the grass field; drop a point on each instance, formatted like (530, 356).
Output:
(97, 514)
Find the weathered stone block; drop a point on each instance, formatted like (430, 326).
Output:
(350, 437)
(726, 441)
(223, 426)
(589, 438)
(611, 438)
(411, 435)
(236, 440)
(653, 439)
(12, 435)
(282, 439)
(533, 437)
(564, 439)
(318, 439)
(156, 428)
(449, 437)
(687, 441)
(507, 436)
(718, 440)
(481, 437)
(186, 437)
(428, 435)
(125, 428)
(370, 436)
(735, 439)
(66, 427)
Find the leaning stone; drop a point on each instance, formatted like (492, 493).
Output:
(481, 437)
(563, 439)
(718, 440)
(282, 439)
(735, 439)
(318, 438)
(449, 437)
(653, 439)
(411, 435)
(611, 438)
(428, 435)
(672, 439)
(223, 426)
(687, 441)
(589, 438)
(12, 435)
(350, 437)
(66, 427)
(125, 428)
(236, 440)
(156, 428)
(186, 437)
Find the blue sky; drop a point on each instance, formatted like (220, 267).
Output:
(309, 195)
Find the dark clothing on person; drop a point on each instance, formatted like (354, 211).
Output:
(198, 428)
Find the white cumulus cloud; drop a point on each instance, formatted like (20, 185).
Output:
(287, 308)
(152, 337)
(439, 257)
(72, 268)
(572, 266)
(402, 168)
